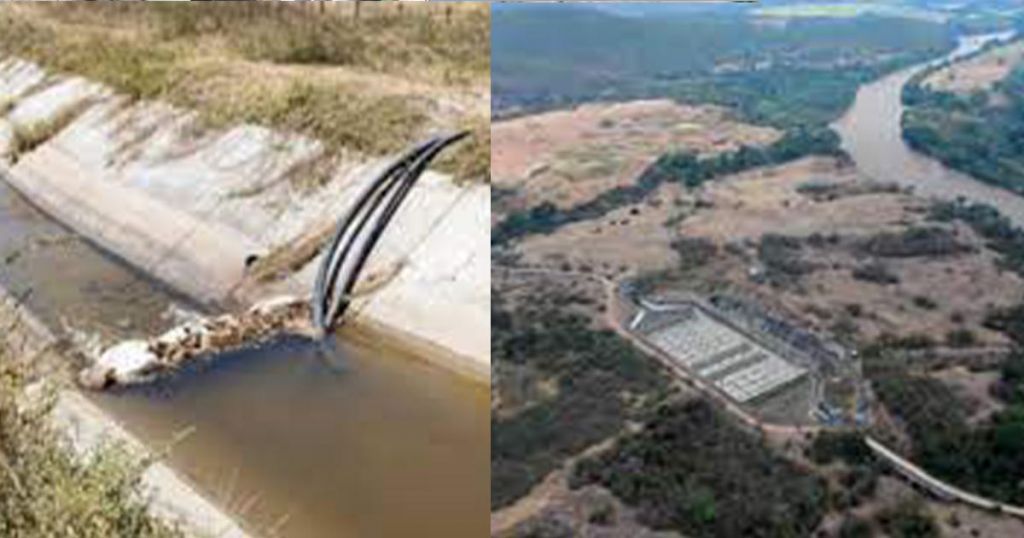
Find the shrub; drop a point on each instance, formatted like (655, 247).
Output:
(694, 252)
(855, 527)
(875, 272)
(693, 471)
(45, 490)
(925, 303)
(961, 338)
(848, 447)
(908, 520)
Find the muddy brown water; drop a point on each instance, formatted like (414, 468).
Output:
(295, 438)
(352, 440)
(69, 283)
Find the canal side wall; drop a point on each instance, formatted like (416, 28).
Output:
(189, 206)
(88, 428)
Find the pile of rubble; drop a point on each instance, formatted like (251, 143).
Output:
(140, 361)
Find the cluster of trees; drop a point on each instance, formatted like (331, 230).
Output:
(782, 257)
(876, 272)
(683, 167)
(602, 381)
(977, 133)
(693, 471)
(694, 252)
(908, 519)
(999, 232)
(845, 446)
(929, 241)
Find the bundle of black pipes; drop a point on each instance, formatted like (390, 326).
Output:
(361, 227)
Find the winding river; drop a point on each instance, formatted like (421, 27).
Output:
(871, 134)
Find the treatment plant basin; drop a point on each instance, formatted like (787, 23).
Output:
(296, 438)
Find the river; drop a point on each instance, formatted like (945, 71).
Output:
(871, 134)
(356, 439)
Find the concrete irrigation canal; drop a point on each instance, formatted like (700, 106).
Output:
(308, 439)
(381, 429)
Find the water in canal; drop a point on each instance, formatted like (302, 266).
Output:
(355, 439)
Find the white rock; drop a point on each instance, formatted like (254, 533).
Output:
(178, 334)
(267, 306)
(128, 361)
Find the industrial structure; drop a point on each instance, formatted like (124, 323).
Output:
(716, 351)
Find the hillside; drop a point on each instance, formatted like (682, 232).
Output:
(777, 72)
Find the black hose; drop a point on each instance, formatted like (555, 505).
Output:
(378, 203)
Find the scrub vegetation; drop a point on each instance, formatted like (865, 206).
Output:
(810, 241)
(692, 471)
(600, 380)
(370, 84)
(45, 490)
(985, 458)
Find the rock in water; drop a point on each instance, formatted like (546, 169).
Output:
(124, 364)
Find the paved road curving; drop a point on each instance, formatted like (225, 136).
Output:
(939, 488)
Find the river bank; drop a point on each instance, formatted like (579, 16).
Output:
(871, 133)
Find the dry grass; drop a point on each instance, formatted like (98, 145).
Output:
(28, 137)
(471, 158)
(294, 256)
(371, 85)
(568, 157)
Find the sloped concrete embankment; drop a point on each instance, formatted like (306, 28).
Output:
(89, 429)
(190, 206)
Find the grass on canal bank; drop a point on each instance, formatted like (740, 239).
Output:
(371, 84)
(46, 490)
